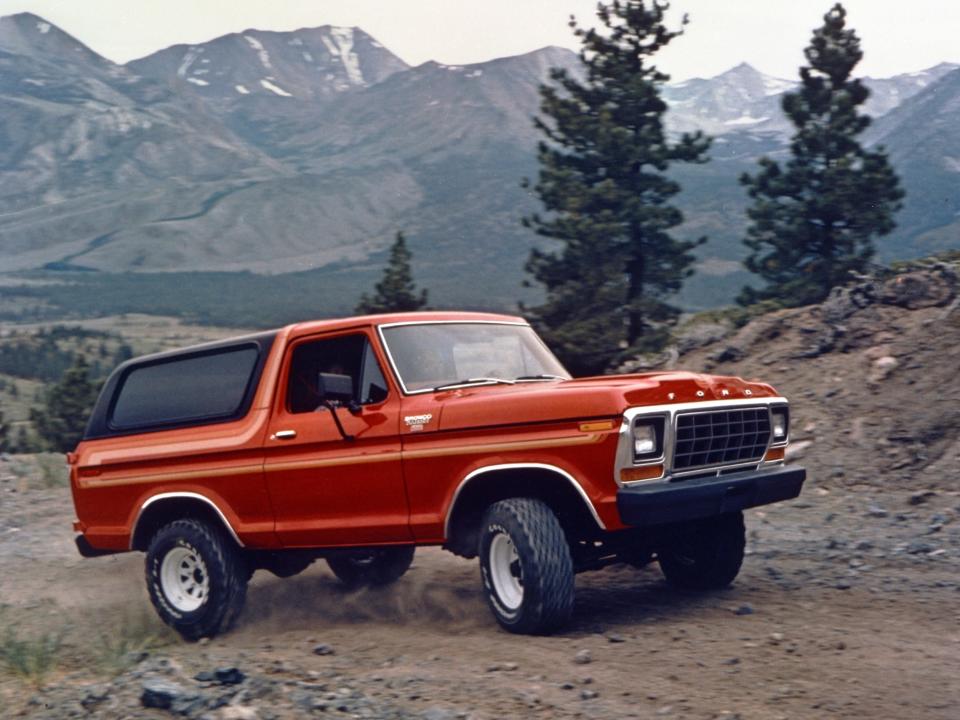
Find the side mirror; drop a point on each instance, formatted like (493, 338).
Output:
(335, 387)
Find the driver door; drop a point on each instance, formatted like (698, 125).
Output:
(326, 490)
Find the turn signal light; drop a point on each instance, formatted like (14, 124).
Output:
(648, 472)
(774, 454)
(596, 426)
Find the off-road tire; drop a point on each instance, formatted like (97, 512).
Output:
(225, 574)
(373, 568)
(707, 555)
(543, 568)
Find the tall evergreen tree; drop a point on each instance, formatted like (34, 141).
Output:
(396, 292)
(814, 220)
(62, 419)
(22, 443)
(602, 183)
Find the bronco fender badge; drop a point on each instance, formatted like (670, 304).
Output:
(416, 422)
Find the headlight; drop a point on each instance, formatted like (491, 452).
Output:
(781, 423)
(647, 438)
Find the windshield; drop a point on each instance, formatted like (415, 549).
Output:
(435, 355)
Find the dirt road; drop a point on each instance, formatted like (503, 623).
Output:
(846, 607)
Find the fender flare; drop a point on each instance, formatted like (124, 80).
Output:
(519, 466)
(182, 495)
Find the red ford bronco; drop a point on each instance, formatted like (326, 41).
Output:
(356, 440)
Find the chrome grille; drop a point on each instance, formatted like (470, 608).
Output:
(721, 437)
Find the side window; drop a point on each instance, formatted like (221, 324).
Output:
(190, 388)
(345, 355)
(373, 386)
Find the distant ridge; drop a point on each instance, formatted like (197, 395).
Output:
(276, 152)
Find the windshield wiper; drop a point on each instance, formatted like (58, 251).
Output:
(475, 381)
(541, 376)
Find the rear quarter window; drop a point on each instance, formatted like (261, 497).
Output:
(190, 388)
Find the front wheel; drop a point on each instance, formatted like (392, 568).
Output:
(526, 566)
(707, 556)
(379, 566)
(196, 577)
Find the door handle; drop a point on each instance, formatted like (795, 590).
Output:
(284, 435)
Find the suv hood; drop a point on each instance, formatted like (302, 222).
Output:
(593, 397)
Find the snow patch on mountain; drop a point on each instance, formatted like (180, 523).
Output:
(351, 63)
(43, 27)
(274, 88)
(746, 120)
(241, 89)
(261, 51)
(307, 56)
(197, 81)
(188, 60)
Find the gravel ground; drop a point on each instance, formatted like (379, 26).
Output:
(847, 606)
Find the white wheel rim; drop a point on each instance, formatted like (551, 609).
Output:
(184, 578)
(505, 571)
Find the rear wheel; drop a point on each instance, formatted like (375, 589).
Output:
(197, 578)
(707, 556)
(526, 566)
(380, 566)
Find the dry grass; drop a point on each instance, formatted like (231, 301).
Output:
(127, 642)
(29, 658)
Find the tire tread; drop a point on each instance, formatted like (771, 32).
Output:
(546, 559)
(223, 559)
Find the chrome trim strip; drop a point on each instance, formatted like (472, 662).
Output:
(718, 469)
(453, 322)
(191, 495)
(393, 364)
(624, 457)
(517, 466)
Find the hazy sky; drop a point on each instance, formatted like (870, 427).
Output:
(898, 35)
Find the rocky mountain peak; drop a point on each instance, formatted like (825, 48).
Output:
(304, 64)
(741, 70)
(30, 35)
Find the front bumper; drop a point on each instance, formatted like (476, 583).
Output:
(666, 501)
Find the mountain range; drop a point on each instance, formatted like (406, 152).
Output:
(282, 152)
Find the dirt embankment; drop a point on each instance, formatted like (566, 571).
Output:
(847, 605)
(873, 377)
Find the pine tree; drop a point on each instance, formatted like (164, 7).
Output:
(602, 182)
(396, 292)
(124, 352)
(23, 443)
(813, 220)
(62, 419)
(5, 440)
